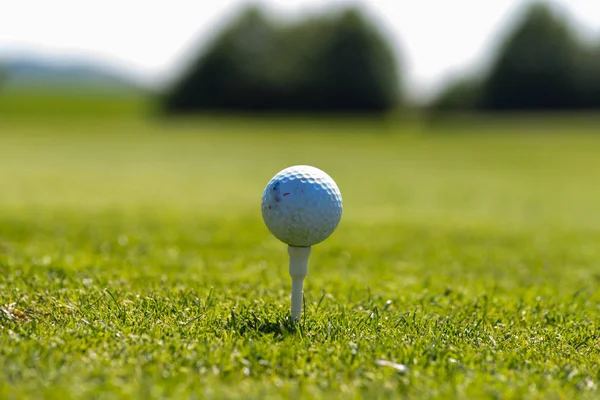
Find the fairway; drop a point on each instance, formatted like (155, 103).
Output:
(134, 262)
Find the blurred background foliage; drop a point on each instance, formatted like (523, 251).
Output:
(342, 62)
(541, 64)
(329, 63)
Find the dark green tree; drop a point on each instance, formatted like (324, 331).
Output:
(229, 72)
(588, 78)
(357, 69)
(331, 63)
(536, 66)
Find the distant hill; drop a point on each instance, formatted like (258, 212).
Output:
(31, 73)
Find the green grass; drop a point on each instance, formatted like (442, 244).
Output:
(134, 262)
(44, 105)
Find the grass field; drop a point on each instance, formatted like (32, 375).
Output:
(134, 262)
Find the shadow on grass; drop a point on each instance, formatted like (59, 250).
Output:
(250, 323)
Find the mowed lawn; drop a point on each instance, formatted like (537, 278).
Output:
(134, 262)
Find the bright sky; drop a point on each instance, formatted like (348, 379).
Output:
(149, 39)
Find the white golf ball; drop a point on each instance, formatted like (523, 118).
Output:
(301, 206)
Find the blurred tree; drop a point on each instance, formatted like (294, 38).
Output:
(229, 72)
(336, 63)
(594, 78)
(355, 68)
(588, 78)
(536, 66)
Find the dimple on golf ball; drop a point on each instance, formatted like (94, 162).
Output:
(301, 206)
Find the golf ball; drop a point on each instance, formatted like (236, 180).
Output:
(301, 206)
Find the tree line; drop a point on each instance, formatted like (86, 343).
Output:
(343, 62)
(540, 65)
(330, 63)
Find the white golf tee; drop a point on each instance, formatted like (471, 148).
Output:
(298, 270)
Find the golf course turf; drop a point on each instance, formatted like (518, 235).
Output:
(134, 262)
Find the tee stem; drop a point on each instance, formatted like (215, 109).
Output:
(298, 270)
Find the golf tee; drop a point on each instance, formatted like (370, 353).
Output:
(298, 270)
